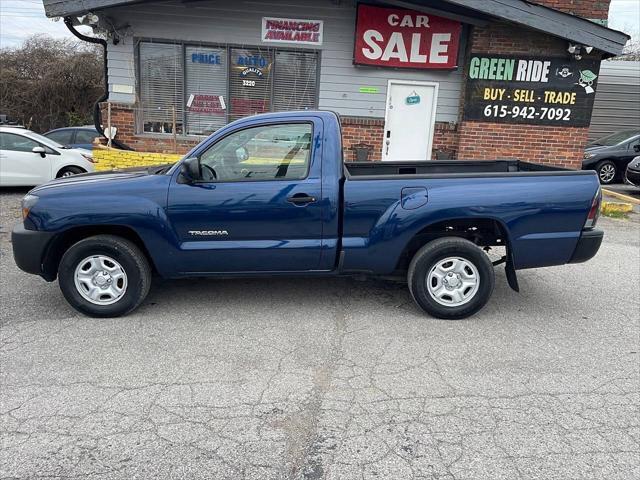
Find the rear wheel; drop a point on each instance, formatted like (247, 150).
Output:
(607, 172)
(68, 171)
(104, 276)
(451, 278)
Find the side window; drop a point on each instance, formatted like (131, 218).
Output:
(63, 137)
(269, 152)
(634, 145)
(16, 143)
(85, 136)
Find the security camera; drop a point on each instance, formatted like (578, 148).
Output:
(89, 19)
(573, 48)
(588, 49)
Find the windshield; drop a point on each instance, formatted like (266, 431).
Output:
(616, 138)
(45, 140)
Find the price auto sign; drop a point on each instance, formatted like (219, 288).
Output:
(530, 90)
(399, 38)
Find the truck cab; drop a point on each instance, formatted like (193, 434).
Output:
(267, 196)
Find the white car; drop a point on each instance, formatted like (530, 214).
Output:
(27, 158)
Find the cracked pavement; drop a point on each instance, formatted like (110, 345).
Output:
(326, 378)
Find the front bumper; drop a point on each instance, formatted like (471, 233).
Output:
(29, 247)
(633, 177)
(588, 245)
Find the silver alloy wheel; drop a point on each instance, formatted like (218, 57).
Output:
(607, 172)
(100, 280)
(68, 173)
(453, 281)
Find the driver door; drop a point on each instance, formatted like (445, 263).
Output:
(18, 164)
(258, 207)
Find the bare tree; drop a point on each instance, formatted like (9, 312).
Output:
(48, 83)
(631, 51)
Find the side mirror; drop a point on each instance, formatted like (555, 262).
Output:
(190, 169)
(39, 150)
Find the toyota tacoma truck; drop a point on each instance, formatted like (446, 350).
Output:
(271, 195)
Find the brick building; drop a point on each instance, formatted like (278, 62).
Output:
(411, 79)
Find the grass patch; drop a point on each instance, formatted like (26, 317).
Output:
(614, 214)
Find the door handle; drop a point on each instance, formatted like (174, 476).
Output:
(301, 199)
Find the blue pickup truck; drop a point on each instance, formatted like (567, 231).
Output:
(271, 195)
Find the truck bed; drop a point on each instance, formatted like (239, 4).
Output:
(353, 170)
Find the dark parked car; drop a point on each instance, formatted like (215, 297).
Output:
(633, 172)
(75, 137)
(610, 155)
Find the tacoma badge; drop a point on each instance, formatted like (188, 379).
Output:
(208, 233)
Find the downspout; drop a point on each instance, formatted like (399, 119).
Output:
(97, 114)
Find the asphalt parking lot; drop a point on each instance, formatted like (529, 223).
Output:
(626, 189)
(335, 379)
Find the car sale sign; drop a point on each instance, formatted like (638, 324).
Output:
(395, 37)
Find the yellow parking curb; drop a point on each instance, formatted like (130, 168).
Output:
(616, 207)
(621, 196)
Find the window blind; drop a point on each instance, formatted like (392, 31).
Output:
(206, 89)
(295, 81)
(161, 86)
(250, 81)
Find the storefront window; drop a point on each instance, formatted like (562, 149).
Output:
(208, 86)
(206, 91)
(250, 81)
(294, 83)
(161, 87)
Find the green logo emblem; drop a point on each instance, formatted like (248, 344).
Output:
(587, 77)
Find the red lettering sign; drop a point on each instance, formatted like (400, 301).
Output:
(394, 37)
(292, 30)
(205, 104)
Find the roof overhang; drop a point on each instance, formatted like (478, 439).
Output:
(476, 12)
(65, 8)
(536, 17)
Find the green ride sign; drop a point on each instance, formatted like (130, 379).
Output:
(530, 90)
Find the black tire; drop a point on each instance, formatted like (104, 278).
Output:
(127, 254)
(68, 171)
(607, 172)
(428, 258)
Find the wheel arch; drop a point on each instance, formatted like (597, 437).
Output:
(70, 165)
(605, 159)
(64, 240)
(483, 231)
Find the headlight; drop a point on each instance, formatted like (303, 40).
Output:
(27, 203)
(589, 155)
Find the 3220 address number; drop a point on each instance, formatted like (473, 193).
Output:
(542, 113)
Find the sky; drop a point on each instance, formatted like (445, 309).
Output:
(21, 18)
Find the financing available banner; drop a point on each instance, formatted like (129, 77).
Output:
(530, 90)
(292, 30)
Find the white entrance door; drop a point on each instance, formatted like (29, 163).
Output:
(409, 120)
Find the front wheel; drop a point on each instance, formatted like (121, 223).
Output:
(104, 276)
(451, 278)
(607, 172)
(69, 171)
